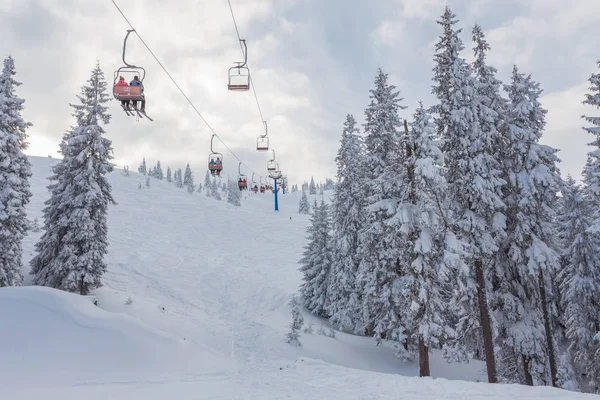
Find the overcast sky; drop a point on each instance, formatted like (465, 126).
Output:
(312, 61)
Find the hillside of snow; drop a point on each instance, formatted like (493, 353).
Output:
(195, 306)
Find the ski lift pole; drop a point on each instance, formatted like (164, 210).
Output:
(275, 192)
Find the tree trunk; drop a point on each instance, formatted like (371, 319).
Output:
(83, 288)
(423, 358)
(526, 371)
(549, 341)
(486, 324)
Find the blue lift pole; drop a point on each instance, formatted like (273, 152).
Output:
(275, 192)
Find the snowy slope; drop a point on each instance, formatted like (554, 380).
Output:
(209, 284)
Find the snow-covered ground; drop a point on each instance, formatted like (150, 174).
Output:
(195, 306)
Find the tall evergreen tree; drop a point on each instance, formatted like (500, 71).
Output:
(142, 168)
(158, 172)
(214, 189)
(188, 179)
(348, 217)
(473, 176)
(580, 282)
(304, 206)
(528, 256)
(382, 247)
(178, 178)
(312, 187)
(316, 262)
(15, 171)
(169, 177)
(70, 253)
(591, 171)
(234, 195)
(433, 258)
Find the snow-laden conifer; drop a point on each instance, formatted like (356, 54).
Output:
(474, 180)
(580, 281)
(178, 178)
(142, 168)
(15, 171)
(315, 264)
(591, 171)
(312, 188)
(158, 172)
(234, 195)
(169, 176)
(347, 210)
(433, 260)
(304, 206)
(70, 253)
(527, 257)
(382, 250)
(214, 189)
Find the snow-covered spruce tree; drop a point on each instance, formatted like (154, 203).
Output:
(207, 183)
(304, 206)
(188, 176)
(178, 178)
(15, 171)
(188, 179)
(474, 182)
(234, 196)
(315, 264)
(158, 172)
(312, 189)
(148, 182)
(432, 255)
(580, 282)
(70, 253)
(142, 168)
(591, 171)
(214, 189)
(527, 258)
(382, 250)
(169, 175)
(297, 322)
(347, 210)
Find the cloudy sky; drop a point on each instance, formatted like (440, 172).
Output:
(312, 61)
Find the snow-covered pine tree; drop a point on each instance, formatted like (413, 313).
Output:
(178, 178)
(70, 253)
(315, 264)
(315, 206)
(148, 182)
(528, 257)
(142, 168)
(207, 184)
(214, 189)
(158, 172)
(434, 259)
(223, 185)
(347, 210)
(234, 195)
(169, 177)
(305, 186)
(304, 206)
(591, 171)
(188, 176)
(321, 190)
(188, 179)
(474, 180)
(312, 189)
(199, 190)
(580, 281)
(382, 249)
(15, 171)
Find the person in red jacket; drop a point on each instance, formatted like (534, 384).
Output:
(122, 82)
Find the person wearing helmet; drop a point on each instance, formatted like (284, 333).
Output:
(136, 82)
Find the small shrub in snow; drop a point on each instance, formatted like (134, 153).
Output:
(297, 322)
(309, 328)
(129, 300)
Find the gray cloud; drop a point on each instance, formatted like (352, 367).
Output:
(312, 62)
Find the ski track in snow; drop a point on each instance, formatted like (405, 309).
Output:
(217, 280)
